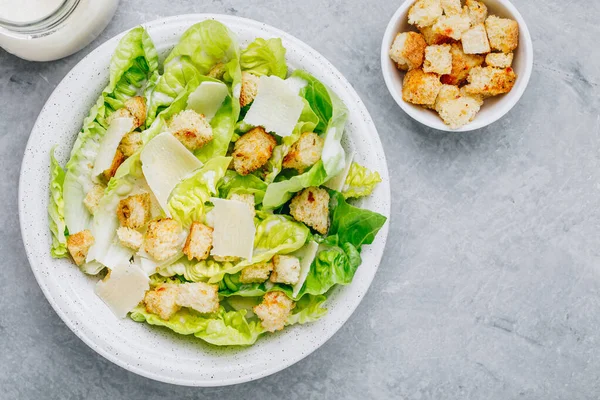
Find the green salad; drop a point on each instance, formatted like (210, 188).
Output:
(211, 193)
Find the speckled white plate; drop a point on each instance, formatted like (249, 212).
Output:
(152, 351)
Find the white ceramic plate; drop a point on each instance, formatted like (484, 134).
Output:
(156, 352)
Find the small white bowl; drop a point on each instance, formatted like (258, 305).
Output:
(494, 108)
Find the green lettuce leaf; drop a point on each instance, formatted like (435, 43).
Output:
(265, 57)
(56, 208)
(308, 309)
(234, 183)
(280, 192)
(360, 181)
(194, 271)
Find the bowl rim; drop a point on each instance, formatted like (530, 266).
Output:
(478, 123)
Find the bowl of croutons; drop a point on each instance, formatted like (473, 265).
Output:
(457, 65)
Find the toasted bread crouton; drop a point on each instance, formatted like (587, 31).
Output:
(420, 87)
(130, 238)
(503, 33)
(118, 159)
(274, 310)
(92, 198)
(253, 150)
(477, 97)
(475, 40)
(305, 152)
(198, 242)
(424, 13)
(477, 11)
(458, 112)
(408, 50)
(131, 143)
(162, 301)
(286, 269)
(256, 273)
(120, 113)
(451, 7)
(432, 37)
(489, 81)
(163, 239)
(461, 65)
(245, 198)
(311, 206)
(137, 108)
(191, 129)
(217, 72)
(199, 296)
(134, 211)
(499, 60)
(79, 244)
(438, 59)
(452, 26)
(249, 88)
(447, 92)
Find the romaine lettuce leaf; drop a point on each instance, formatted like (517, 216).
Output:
(234, 183)
(265, 57)
(56, 209)
(360, 181)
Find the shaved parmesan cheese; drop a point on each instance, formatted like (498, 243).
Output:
(296, 83)
(118, 128)
(337, 182)
(234, 229)
(277, 107)
(306, 255)
(165, 163)
(123, 289)
(207, 98)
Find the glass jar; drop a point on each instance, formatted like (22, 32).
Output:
(45, 30)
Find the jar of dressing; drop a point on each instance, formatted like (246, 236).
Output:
(44, 30)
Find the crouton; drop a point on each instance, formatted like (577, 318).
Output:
(131, 143)
(420, 87)
(191, 129)
(134, 211)
(452, 26)
(461, 65)
(120, 113)
(162, 301)
(311, 206)
(499, 60)
(458, 112)
(198, 242)
(503, 33)
(424, 13)
(438, 59)
(432, 37)
(252, 151)
(245, 198)
(286, 269)
(79, 244)
(305, 152)
(489, 81)
(447, 92)
(163, 239)
(249, 88)
(92, 198)
(451, 7)
(137, 108)
(475, 40)
(256, 273)
(477, 11)
(477, 97)
(199, 296)
(408, 50)
(217, 72)
(118, 159)
(130, 238)
(274, 310)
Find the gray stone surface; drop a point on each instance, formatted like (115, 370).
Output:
(489, 286)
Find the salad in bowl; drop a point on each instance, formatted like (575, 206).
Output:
(210, 193)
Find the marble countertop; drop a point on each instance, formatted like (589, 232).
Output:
(490, 285)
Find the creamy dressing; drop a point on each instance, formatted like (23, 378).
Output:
(27, 11)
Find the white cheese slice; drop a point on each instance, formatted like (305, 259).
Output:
(118, 128)
(234, 229)
(306, 255)
(123, 289)
(337, 182)
(296, 83)
(207, 98)
(165, 163)
(277, 107)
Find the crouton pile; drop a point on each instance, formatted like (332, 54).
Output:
(460, 56)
